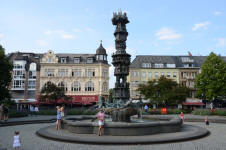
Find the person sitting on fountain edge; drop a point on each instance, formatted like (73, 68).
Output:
(100, 117)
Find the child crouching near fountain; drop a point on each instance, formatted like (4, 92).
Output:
(100, 117)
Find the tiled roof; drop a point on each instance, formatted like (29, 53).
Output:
(177, 60)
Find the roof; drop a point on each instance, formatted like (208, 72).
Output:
(164, 59)
(101, 49)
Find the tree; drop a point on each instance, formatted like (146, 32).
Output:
(5, 76)
(211, 82)
(53, 93)
(111, 95)
(164, 91)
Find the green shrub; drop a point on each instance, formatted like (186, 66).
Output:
(15, 114)
(69, 112)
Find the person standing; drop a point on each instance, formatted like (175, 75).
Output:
(182, 117)
(146, 108)
(206, 120)
(16, 140)
(36, 110)
(5, 112)
(62, 112)
(58, 123)
(100, 117)
(31, 110)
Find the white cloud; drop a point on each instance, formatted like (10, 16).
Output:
(90, 29)
(76, 30)
(1, 35)
(167, 34)
(61, 33)
(217, 13)
(42, 43)
(201, 25)
(221, 42)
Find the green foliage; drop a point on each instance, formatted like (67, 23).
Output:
(164, 91)
(111, 95)
(15, 114)
(69, 112)
(53, 93)
(5, 76)
(211, 82)
(208, 112)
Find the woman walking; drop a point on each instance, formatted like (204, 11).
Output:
(58, 118)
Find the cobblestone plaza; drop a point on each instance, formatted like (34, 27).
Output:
(215, 141)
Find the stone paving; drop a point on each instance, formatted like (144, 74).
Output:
(30, 141)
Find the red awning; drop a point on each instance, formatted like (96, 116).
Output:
(193, 103)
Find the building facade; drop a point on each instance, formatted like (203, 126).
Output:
(85, 77)
(144, 68)
(25, 84)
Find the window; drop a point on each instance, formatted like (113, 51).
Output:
(63, 85)
(159, 65)
(101, 57)
(105, 87)
(135, 83)
(105, 57)
(174, 74)
(134, 73)
(76, 72)
(105, 73)
(184, 75)
(18, 66)
(143, 74)
(19, 74)
(50, 60)
(193, 74)
(149, 74)
(63, 60)
(32, 74)
(89, 60)
(18, 83)
(49, 72)
(76, 60)
(62, 72)
(31, 84)
(76, 86)
(185, 65)
(168, 74)
(170, 65)
(162, 73)
(156, 74)
(90, 73)
(146, 65)
(89, 86)
(186, 59)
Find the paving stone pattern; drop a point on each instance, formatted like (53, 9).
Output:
(30, 141)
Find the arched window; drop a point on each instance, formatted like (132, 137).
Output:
(105, 87)
(76, 86)
(89, 86)
(63, 85)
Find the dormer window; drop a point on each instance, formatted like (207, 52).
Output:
(76, 60)
(63, 60)
(101, 54)
(89, 60)
(50, 60)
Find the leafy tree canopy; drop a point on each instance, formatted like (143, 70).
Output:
(164, 91)
(5, 76)
(53, 93)
(211, 82)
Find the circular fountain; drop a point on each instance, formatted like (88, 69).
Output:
(121, 128)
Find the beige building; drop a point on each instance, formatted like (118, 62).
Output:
(85, 77)
(145, 68)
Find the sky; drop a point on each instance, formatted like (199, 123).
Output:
(160, 27)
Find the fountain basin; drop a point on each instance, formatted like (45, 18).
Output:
(86, 126)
